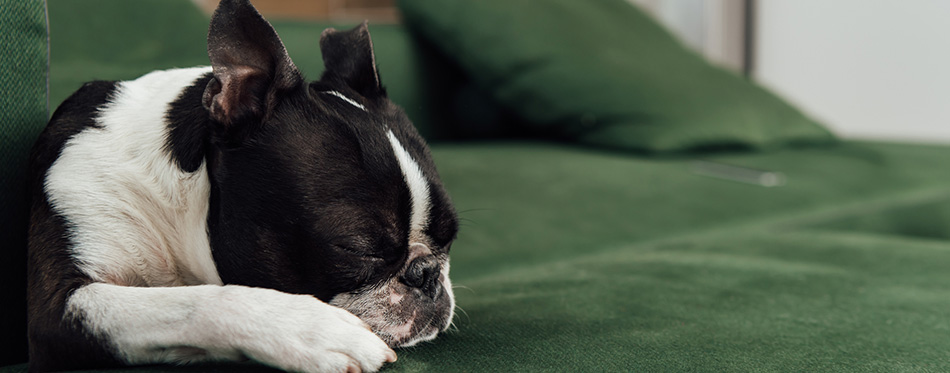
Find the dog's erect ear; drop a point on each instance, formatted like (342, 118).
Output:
(251, 66)
(348, 55)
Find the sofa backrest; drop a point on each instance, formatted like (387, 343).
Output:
(23, 112)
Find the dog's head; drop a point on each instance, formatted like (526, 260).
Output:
(323, 187)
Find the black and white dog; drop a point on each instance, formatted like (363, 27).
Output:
(237, 212)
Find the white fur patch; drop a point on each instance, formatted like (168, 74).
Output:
(347, 99)
(135, 218)
(418, 187)
(213, 323)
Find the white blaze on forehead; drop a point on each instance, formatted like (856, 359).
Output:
(418, 186)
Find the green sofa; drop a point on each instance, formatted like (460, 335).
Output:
(586, 253)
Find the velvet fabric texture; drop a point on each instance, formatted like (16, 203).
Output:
(581, 260)
(23, 109)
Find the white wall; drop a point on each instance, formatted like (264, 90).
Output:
(877, 69)
(683, 17)
(714, 28)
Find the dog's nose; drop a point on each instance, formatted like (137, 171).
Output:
(423, 273)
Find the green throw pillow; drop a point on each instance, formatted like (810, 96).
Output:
(603, 73)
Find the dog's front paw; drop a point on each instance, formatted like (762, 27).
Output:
(299, 333)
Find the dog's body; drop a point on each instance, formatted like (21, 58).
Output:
(237, 211)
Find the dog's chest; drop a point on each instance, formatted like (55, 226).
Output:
(134, 217)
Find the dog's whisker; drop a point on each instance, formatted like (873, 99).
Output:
(463, 287)
(452, 328)
(475, 210)
(464, 313)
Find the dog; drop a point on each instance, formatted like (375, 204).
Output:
(237, 212)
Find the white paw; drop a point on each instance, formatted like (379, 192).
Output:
(299, 333)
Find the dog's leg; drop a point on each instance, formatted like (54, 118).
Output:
(215, 323)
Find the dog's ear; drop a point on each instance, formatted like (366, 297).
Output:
(251, 67)
(348, 55)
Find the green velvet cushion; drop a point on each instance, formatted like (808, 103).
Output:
(574, 260)
(579, 260)
(23, 67)
(603, 73)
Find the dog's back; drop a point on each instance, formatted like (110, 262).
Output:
(53, 274)
(137, 218)
(111, 188)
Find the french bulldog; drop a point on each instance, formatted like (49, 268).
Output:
(237, 212)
